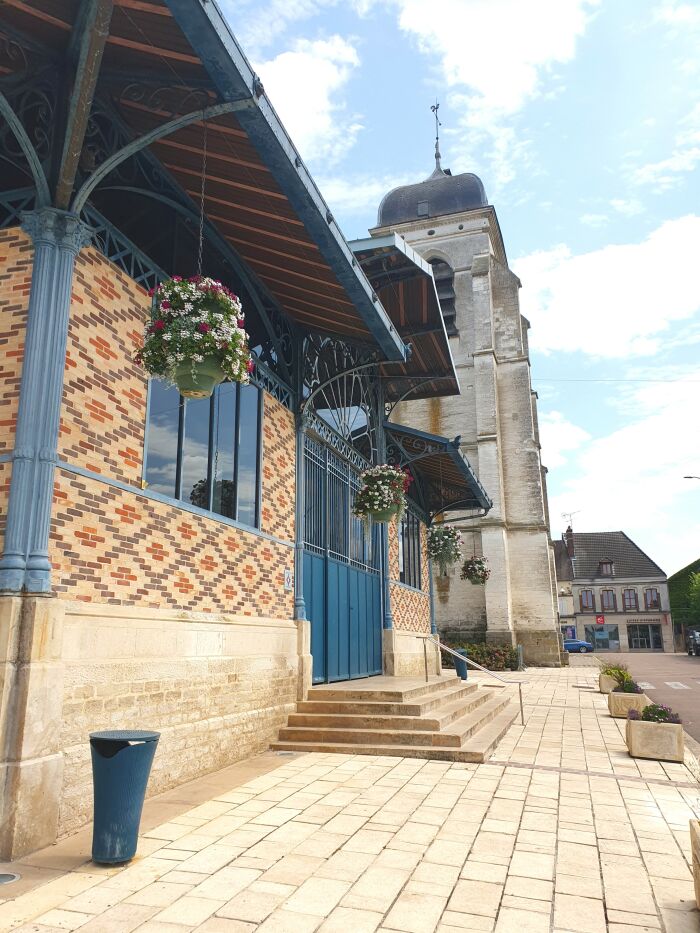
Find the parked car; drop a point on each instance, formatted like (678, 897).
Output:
(692, 641)
(575, 644)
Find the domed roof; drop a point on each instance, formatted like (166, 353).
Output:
(441, 193)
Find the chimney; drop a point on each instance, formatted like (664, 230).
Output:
(569, 539)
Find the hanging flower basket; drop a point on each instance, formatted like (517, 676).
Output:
(444, 546)
(195, 337)
(476, 570)
(382, 495)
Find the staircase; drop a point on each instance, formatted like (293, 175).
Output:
(447, 719)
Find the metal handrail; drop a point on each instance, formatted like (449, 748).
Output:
(439, 645)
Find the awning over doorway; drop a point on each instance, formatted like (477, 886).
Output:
(404, 283)
(446, 481)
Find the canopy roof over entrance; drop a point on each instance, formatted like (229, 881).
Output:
(405, 284)
(445, 477)
(128, 68)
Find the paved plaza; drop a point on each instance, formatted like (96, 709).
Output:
(560, 831)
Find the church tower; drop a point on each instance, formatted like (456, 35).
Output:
(449, 222)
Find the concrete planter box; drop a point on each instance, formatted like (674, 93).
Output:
(620, 704)
(695, 848)
(606, 683)
(662, 741)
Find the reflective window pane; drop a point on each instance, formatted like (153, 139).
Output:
(161, 462)
(195, 452)
(224, 451)
(248, 443)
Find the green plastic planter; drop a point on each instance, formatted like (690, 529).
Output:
(198, 380)
(385, 515)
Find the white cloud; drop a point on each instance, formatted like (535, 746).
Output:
(359, 194)
(614, 302)
(630, 207)
(632, 479)
(257, 26)
(668, 173)
(677, 14)
(594, 220)
(559, 437)
(303, 85)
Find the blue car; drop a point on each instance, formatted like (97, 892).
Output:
(575, 644)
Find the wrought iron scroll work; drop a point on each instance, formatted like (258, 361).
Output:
(340, 385)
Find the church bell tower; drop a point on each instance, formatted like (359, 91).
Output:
(449, 222)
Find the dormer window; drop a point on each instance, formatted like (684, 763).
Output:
(606, 568)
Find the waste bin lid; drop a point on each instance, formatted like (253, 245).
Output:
(126, 735)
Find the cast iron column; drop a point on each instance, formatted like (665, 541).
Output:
(58, 237)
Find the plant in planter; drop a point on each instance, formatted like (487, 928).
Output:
(476, 570)
(626, 696)
(655, 732)
(195, 337)
(611, 676)
(382, 495)
(444, 546)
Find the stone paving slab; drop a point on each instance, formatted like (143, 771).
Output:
(560, 831)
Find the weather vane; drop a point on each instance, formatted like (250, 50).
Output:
(435, 107)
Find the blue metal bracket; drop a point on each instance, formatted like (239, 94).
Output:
(142, 142)
(43, 195)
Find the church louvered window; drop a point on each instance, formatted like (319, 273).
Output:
(445, 285)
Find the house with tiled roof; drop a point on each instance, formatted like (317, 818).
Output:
(611, 593)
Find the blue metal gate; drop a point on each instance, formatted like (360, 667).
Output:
(342, 584)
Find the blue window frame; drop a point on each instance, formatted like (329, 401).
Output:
(409, 551)
(207, 451)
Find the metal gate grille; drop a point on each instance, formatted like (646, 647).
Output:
(342, 585)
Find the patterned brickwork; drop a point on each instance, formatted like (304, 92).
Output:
(108, 545)
(103, 415)
(16, 259)
(278, 470)
(410, 608)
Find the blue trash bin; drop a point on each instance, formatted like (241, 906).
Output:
(121, 764)
(461, 666)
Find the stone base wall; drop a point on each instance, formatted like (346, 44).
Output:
(404, 656)
(217, 687)
(542, 648)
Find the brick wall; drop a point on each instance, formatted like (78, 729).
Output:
(410, 608)
(122, 547)
(16, 258)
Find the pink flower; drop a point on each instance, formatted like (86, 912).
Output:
(241, 323)
(151, 292)
(158, 325)
(177, 278)
(250, 366)
(203, 328)
(165, 305)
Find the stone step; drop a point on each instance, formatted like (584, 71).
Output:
(376, 708)
(346, 716)
(477, 749)
(385, 695)
(453, 736)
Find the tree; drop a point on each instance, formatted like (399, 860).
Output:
(694, 592)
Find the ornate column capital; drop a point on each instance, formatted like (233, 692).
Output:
(50, 227)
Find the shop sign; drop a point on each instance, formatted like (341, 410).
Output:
(600, 620)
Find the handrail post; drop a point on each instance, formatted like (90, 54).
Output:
(522, 711)
(438, 648)
(425, 660)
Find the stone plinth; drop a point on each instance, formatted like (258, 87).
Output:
(621, 703)
(661, 741)
(695, 846)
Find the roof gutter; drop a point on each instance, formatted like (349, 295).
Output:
(210, 36)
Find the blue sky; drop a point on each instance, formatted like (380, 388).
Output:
(582, 117)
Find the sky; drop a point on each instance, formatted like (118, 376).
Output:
(582, 118)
